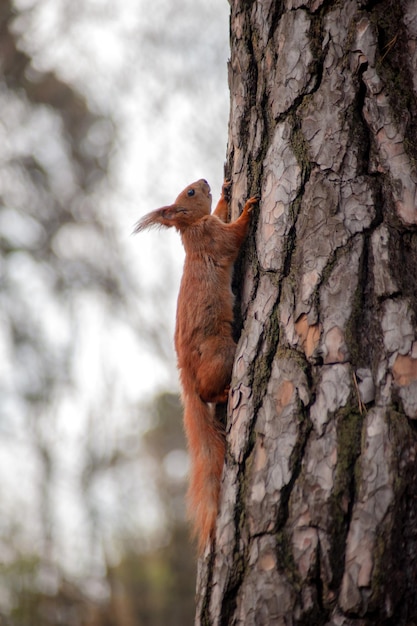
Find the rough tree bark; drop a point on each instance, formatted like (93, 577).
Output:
(318, 517)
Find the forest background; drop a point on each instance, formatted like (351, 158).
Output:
(108, 109)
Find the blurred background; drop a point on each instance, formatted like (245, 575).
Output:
(108, 110)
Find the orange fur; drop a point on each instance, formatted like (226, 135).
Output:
(203, 334)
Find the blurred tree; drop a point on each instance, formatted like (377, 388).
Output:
(156, 586)
(55, 246)
(54, 243)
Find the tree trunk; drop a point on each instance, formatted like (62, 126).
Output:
(318, 514)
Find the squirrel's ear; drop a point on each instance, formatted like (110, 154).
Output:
(158, 218)
(170, 212)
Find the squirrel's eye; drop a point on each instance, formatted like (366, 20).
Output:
(190, 192)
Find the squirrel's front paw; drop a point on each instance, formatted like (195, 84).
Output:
(227, 190)
(251, 203)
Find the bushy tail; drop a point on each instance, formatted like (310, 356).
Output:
(206, 444)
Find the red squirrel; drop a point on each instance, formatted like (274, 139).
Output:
(203, 336)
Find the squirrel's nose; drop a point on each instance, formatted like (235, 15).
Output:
(208, 186)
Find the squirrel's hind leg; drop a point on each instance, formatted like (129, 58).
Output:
(215, 370)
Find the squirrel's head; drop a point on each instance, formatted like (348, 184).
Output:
(191, 205)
